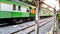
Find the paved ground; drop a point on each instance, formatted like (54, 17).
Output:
(9, 29)
(46, 28)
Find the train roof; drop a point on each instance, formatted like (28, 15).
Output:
(17, 3)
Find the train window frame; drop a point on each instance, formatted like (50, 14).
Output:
(30, 9)
(19, 8)
(14, 7)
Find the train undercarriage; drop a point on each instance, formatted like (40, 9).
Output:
(19, 20)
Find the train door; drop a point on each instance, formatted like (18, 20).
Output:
(30, 11)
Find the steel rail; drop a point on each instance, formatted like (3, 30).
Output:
(26, 27)
(31, 26)
(39, 27)
(31, 31)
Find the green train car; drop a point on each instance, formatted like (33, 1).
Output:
(14, 11)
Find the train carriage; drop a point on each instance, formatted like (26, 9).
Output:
(11, 11)
(14, 11)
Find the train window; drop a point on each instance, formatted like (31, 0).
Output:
(27, 10)
(29, 7)
(14, 7)
(23, 9)
(19, 8)
(20, 0)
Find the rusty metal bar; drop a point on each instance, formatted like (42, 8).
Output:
(47, 5)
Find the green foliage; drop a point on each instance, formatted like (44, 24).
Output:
(58, 16)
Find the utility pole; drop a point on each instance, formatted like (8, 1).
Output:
(37, 13)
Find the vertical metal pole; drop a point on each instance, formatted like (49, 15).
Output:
(37, 17)
(55, 14)
(55, 20)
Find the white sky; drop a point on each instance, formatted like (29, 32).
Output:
(52, 3)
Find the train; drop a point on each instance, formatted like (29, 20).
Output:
(15, 11)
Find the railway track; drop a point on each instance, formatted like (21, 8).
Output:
(42, 23)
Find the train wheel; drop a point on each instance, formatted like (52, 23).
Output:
(29, 19)
(14, 20)
(19, 21)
